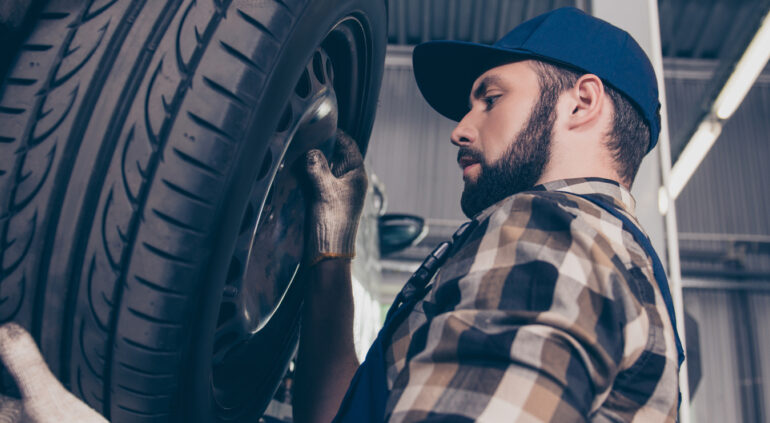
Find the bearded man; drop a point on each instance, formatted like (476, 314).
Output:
(551, 304)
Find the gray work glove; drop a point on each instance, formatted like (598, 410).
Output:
(43, 398)
(336, 202)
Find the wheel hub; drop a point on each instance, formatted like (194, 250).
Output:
(269, 249)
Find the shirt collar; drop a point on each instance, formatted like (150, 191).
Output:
(610, 190)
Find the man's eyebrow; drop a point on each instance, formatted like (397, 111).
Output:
(483, 86)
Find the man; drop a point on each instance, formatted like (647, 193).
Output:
(551, 306)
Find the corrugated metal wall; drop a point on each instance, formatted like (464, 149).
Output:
(411, 153)
(734, 360)
(730, 192)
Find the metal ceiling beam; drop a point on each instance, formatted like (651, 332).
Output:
(706, 123)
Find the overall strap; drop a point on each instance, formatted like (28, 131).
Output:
(366, 397)
(657, 266)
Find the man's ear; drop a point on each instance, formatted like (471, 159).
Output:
(587, 101)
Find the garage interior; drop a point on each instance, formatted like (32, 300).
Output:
(717, 229)
(702, 194)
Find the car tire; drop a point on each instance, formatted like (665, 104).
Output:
(145, 149)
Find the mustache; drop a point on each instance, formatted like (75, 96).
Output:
(470, 153)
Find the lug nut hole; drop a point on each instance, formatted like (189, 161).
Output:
(303, 86)
(318, 67)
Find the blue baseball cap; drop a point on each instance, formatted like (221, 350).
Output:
(445, 70)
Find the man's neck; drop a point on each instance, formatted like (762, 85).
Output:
(580, 166)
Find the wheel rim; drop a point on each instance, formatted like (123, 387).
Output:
(269, 248)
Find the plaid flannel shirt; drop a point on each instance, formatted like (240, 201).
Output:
(548, 312)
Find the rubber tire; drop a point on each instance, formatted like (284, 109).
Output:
(130, 135)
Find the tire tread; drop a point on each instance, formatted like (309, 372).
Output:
(134, 132)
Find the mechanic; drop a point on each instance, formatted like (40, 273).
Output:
(550, 305)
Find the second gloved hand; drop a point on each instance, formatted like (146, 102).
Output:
(43, 398)
(337, 199)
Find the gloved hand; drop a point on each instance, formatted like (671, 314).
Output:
(336, 202)
(43, 398)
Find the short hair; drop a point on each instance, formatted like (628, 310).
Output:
(630, 134)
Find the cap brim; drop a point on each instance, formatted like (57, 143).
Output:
(445, 71)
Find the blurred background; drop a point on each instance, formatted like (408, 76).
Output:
(702, 194)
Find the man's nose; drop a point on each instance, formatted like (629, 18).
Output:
(465, 132)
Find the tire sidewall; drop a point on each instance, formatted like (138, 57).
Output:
(311, 27)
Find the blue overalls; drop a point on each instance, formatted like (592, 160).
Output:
(368, 392)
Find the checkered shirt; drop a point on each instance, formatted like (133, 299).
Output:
(549, 312)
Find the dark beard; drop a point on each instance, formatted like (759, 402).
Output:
(520, 166)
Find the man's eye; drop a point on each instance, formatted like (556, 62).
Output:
(490, 101)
